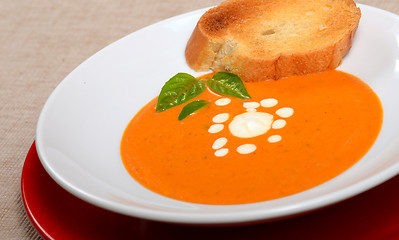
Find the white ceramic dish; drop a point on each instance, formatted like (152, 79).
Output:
(81, 124)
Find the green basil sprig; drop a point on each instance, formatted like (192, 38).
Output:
(227, 83)
(183, 87)
(179, 89)
(191, 108)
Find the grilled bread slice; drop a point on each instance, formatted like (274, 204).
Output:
(270, 39)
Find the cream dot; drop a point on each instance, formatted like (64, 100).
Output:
(219, 143)
(220, 118)
(250, 124)
(279, 123)
(215, 128)
(222, 101)
(268, 102)
(285, 112)
(221, 152)
(246, 148)
(251, 109)
(251, 104)
(274, 138)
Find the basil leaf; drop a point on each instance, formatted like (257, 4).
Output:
(191, 108)
(179, 89)
(227, 83)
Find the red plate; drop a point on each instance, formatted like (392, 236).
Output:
(57, 214)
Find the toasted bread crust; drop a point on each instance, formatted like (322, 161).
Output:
(270, 39)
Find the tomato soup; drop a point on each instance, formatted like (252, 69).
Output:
(306, 130)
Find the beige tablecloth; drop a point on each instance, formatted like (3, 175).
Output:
(42, 41)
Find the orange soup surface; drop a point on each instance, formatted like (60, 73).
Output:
(322, 124)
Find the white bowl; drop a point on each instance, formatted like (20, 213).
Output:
(81, 125)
